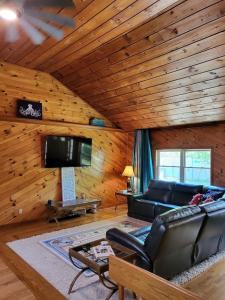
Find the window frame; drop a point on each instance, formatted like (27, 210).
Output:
(182, 161)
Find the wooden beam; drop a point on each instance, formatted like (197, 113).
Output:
(145, 284)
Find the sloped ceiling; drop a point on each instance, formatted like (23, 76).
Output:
(143, 63)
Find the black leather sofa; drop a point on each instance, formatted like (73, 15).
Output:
(163, 196)
(177, 239)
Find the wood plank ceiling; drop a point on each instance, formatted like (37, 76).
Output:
(143, 63)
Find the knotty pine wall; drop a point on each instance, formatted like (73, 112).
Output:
(211, 136)
(24, 182)
(59, 103)
(196, 137)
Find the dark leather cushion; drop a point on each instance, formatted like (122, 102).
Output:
(175, 252)
(141, 233)
(213, 188)
(161, 185)
(160, 224)
(159, 191)
(183, 193)
(144, 208)
(127, 240)
(161, 208)
(212, 206)
(212, 230)
(179, 213)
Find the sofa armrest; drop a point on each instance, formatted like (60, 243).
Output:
(129, 241)
(138, 196)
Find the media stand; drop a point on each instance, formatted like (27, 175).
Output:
(57, 210)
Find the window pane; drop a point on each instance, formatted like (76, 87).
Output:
(169, 158)
(198, 159)
(197, 176)
(169, 173)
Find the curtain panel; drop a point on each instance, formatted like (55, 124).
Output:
(142, 160)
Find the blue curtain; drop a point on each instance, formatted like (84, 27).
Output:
(142, 160)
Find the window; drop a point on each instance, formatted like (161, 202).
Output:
(186, 165)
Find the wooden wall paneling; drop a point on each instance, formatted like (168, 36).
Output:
(125, 84)
(215, 54)
(59, 103)
(114, 15)
(33, 185)
(176, 96)
(89, 16)
(153, 39)
(210, 136)
(24, 50)
(175, 54)
(195, 118)
(121, 58)
(156, 87)
(192, 137)
(182, 33)
(86, 20)
(121, 45)
(175, 109)
(25, 183)
(128, 17)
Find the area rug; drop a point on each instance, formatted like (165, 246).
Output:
(48, 255)
(60, 245)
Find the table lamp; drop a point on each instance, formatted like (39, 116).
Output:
(128, 172)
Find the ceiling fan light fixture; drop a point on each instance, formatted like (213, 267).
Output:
(8, 14)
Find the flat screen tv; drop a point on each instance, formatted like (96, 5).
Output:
(67, 151)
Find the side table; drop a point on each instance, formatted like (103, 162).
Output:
(123, 193)
(57, 209)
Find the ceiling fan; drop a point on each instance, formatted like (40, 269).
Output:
(29, 14)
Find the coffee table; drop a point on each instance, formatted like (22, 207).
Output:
(100, 266)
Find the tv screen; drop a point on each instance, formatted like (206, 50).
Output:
(67, 151)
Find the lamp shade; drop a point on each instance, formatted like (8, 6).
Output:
(128, 171)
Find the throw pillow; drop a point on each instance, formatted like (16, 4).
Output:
(196, 200)
(209, 199)
(213, 194)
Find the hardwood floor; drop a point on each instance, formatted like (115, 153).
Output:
(11, 287)
(27, 277)
(19, 281)
(211, 284)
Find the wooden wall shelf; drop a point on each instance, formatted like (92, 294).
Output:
(57, 123)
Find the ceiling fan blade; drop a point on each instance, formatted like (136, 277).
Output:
(36, 37)
(12, 34)
(49, 3)
(52, 31)
(63, 20)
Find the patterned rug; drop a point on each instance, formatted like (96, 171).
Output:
(60, 245)
(48, 255)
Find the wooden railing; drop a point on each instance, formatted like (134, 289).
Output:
(144, 284)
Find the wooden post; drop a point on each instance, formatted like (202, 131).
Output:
(121, 292)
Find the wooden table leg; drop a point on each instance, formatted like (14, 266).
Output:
(121, 292)
(116, 204)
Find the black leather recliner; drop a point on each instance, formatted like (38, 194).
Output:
(168, 248)
(211, 236)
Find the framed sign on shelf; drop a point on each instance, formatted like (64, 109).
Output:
(29, 109)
